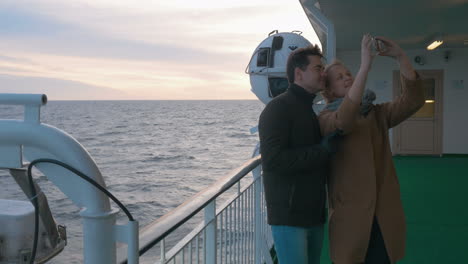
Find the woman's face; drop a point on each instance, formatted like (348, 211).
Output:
(339, 81)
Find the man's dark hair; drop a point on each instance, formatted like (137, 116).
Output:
(300, 59)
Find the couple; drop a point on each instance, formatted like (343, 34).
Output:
(346, 148)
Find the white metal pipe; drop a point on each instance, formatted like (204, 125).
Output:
(258, 222)
(23, 99)
(221, 237)
(231, 235)
(198, 249)
(204, 247)
(128, 234)
(163, 251)
(210, 233)
(236, 231)
(226, 230)
(249, 227)
(243, 249)
(99, 247)
(182, 255)
(190, 252)
(241, 227)
(43, 141)
(252, 225)
(245, 225)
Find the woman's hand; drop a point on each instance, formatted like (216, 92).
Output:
(357, 88)
(366, 52)
(390, 49)
(393, 50)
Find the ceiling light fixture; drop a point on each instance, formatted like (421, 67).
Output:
(435, 44)
(436, 40)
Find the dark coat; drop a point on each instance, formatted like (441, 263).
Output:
(295, 165)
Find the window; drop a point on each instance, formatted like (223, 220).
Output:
(277, 86)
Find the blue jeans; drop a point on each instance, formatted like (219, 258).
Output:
(298, 245)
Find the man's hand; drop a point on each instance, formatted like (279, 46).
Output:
(330, 141)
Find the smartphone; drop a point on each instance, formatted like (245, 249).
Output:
(377, 45)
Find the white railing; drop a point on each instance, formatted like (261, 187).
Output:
(235, 233)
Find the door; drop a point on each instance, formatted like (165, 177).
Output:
(422, 132)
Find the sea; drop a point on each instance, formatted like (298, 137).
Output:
(154, 155)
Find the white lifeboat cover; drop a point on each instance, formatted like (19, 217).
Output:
(260, 73)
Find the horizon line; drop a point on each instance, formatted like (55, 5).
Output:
(75, 100)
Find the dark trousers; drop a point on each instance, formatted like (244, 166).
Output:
(376, 252)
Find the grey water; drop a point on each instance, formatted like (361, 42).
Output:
(153, 155)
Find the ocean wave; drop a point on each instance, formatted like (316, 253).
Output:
(238, 135)
(169, 158)
(87, 139)
(208, 123)
(110, 133)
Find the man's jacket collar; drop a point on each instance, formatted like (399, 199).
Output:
(301, 93)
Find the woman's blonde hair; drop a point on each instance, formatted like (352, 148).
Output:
(326, 93)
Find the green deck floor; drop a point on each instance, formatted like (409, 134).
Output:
(435, 198)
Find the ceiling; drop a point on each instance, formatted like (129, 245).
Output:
(411, 23)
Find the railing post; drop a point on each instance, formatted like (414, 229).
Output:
(163, 251)
(258, 220)
(210, 233)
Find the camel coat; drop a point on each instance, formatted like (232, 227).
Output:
(363, 182)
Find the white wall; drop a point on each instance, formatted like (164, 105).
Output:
(455, 103)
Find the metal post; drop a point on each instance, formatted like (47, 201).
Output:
(163, 251)
(128, 234)
(258, 221)
(97, 247)
(210, 233)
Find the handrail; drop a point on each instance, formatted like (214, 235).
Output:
(160, 228)
(23, 99)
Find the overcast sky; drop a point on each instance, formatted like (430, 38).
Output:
(137, 49)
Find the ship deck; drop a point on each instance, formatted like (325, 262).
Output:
(434, 195)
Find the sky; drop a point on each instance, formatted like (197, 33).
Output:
(137, 49)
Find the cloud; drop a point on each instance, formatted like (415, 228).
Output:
(57, 89)
(13, 70)
(77, 40)
(14, 59)
(139, 79)
(146, 48)
(17, 21)
(130, 29)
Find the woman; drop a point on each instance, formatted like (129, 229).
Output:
(366, 218)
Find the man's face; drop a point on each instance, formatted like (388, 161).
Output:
(312, 79)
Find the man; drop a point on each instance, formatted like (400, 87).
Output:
(295, 163)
